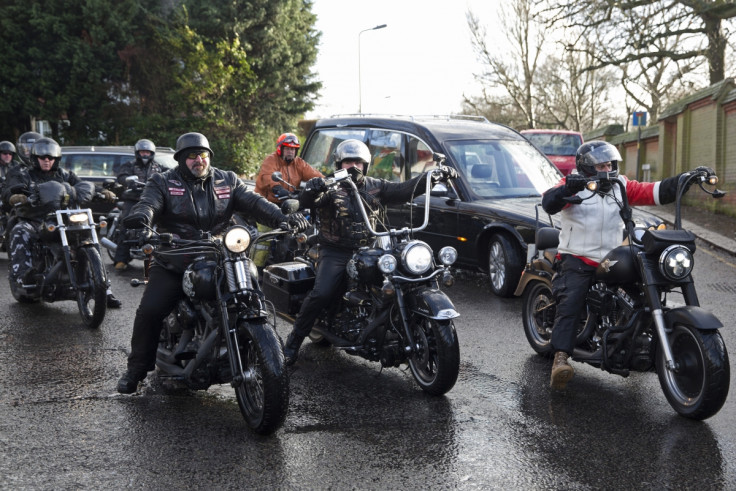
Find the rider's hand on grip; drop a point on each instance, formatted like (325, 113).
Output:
(574, 183)
(135, 220)
(317, 185)
(18, 199)
(708, 170)
(297, 222)
(109, 195)
(280, 192)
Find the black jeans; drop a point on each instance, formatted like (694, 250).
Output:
(122, 252)
(161, 295)
(569, 288)
(329, 284)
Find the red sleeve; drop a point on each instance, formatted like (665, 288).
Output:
(640, 193)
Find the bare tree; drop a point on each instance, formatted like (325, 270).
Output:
(697, 24)
(513, 71)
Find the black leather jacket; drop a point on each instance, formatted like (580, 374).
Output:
(20, 179)
(187, 206)
(341, 224)
(136, 168)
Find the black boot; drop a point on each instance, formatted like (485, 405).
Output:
(291, 348)
(128, 383)
(112, 302)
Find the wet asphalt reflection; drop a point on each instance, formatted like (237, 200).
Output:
(350, 424)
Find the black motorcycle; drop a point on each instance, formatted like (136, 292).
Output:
(393, 311)
(220, 332)
(632, 323)
(111, 233)
(66, 258)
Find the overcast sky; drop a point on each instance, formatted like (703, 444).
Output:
(421, 63)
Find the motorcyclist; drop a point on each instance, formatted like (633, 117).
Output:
(7, 158)
(45, 156)
(189, 201)
(589, 230)
(342, 228)
(25, 144)
(293, 169)
(143, 166)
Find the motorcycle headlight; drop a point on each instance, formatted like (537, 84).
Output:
(387, 263)
(237, 239)
(676, 262)
(417, 257)
(79, 219)
(447, 255)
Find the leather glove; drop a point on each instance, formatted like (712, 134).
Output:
(280, 192)
(316, 184)
(574, 183)
(18, 199)
(708, 170)
(297, 222)
(135, 220)
(447, 173)
(109, 195)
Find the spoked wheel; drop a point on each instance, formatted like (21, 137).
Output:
(435, 360)
(91, 287)
(698, 386)
(538, 316)
(263, 390)
(504, 266)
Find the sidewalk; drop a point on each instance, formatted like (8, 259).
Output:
(711, 237)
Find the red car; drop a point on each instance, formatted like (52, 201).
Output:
(558, 145)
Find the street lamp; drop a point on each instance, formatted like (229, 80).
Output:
(360, 90)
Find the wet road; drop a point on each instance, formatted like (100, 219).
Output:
(63, 426)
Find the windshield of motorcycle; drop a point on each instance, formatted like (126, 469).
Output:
(503, 168)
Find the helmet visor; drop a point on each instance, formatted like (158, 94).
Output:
(603, 154)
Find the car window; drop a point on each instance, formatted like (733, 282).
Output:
(555, 143)
(500, 168)
(97, 165)
(385, 148)
(323, 143)
(420, 156)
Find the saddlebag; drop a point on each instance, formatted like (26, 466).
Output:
(287, 284)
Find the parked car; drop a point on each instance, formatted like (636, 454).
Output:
(487, 214)
(100, 163)
(559, 146)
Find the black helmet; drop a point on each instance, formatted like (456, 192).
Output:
(6, 146)
(353, 150)
(191, 141)
(45, 146)
(25, 143)
(144, 145)
(597, 152)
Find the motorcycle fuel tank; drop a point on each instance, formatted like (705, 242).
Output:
(618, 266)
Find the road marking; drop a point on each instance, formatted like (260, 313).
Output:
(717, 256)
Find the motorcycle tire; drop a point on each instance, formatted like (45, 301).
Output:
(435, 361)
(263, 395)
(698, 387)
(538, 316)
(91, 287)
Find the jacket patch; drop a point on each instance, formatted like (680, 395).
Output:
(222, 192)
(176, 191)
(175, 182)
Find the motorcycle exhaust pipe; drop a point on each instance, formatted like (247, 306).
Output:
(108, 243)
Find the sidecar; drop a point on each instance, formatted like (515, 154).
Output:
(287, 285)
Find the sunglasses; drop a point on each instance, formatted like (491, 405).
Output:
(193, 155)
(46, 157)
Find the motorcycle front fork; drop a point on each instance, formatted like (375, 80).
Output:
(691, 298)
